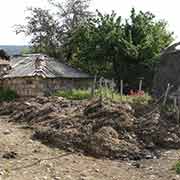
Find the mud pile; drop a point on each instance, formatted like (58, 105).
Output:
(102, 129)
(160, 130)
(37, 110)
(98, 128)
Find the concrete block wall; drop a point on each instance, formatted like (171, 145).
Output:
(37, 86)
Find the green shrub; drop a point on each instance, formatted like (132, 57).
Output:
(177, 167)
(74, 94)
(134, 99)
(7, 95)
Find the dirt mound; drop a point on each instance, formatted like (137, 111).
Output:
(101, 129)
(160, 130)
(98, 128)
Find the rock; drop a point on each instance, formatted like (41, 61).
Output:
(136, 164)
(6, 132)
(10, 155)
(86, 178)
(69, 177)
(97, 170)
(56, 178)
(178, 176)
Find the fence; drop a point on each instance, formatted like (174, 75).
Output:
(106, 84)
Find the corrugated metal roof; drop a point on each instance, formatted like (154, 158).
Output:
(25, 66)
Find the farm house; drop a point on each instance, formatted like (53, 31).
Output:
(38, 75)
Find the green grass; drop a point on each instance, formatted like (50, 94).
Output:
(177, 167)
(7, 95)
(73, 94)
(129, 99)
(77, 94)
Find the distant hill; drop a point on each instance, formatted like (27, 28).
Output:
(13, 49)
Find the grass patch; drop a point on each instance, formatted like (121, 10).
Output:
(74, 94)
(177, 167)
(7, 95)
(133, 99)
(78, 94)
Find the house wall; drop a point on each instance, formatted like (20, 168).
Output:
(37, 86)
(167, 73)
(52, 85)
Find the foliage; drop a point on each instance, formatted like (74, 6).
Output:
(71, 12)
(133, 99)
(4, 55)
(74, 94)
(177, 167)
(7, 95)
(43, 29)
(79, 94)
(101, 44)
(167, 108)
(26, 50)
(109, 47)
(49, 31)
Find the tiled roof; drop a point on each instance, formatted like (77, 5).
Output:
(24, 66)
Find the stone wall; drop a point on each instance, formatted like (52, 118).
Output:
(168, 72)
(37, 86)
(54, 84)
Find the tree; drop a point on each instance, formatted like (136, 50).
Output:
(44, 31)
(49, 31)
(71, 13)
(4, 55)
(107, 46)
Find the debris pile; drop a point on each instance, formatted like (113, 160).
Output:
(98, 128)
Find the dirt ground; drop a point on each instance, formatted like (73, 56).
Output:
(24, 159)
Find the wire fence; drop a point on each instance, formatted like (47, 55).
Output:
(105, 85)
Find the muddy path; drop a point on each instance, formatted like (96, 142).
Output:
(21, 158)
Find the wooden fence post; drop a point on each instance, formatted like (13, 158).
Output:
(93, 86)
(140, 84)
(112, 88)
(166, 94)
(176, 109)
(121, 89)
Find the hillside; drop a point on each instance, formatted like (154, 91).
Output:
(13, 49)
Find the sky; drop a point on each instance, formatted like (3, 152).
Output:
(14, 11)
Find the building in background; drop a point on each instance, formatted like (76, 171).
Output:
(38, 75)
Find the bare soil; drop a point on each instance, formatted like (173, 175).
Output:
(25, 159)
(99, 128)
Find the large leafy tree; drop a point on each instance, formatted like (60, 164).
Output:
(49, 31)
(107, 46)
(44, 31)
(71, 13)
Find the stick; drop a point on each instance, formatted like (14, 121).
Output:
(93, 86)
(112, 88)
(106, 88)
(140, 85)
(176, 109)
(121, 89)
(166, 94)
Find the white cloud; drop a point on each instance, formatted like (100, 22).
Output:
(13, 12)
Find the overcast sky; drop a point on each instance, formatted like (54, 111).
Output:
(13, 12)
